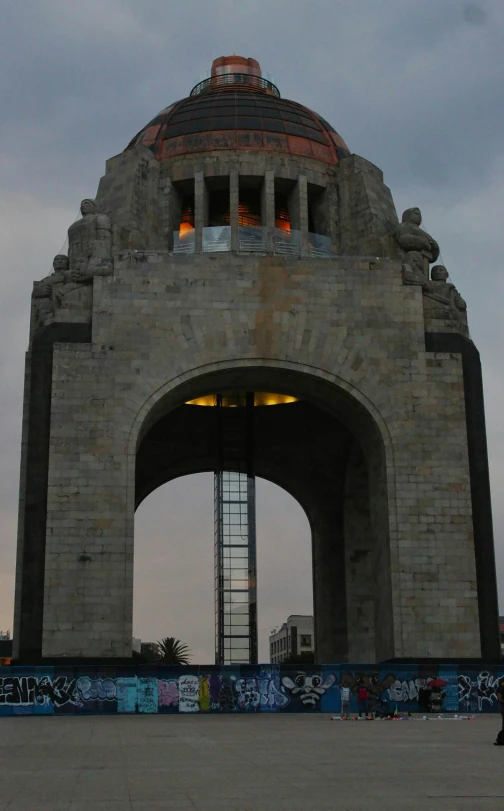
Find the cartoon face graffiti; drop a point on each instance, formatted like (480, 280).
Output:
(308, 687)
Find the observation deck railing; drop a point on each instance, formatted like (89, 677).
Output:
(184, 243)
(287, 242)
(237, 80)
(319, 245)
(216, 239)
(252, 239)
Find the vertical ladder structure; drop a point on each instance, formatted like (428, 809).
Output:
(235, 531)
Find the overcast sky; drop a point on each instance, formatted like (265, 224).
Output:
(415, 86)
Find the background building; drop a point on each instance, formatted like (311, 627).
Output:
(294, 637)
(5, 648)
(149, 650)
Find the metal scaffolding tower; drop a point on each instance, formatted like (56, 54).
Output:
(235, 532)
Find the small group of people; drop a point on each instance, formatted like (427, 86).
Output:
(364, 703)
(430, 699)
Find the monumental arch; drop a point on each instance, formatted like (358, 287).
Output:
(237, 249)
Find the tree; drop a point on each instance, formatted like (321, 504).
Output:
(171, 651)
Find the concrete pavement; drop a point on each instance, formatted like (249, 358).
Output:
(276, 762)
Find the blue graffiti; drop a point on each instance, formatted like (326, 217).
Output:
(261, 688)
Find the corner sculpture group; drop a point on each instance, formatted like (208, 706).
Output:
(91, 249)
(421, 250)
(69, 286)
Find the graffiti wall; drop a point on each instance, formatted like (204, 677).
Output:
(241, 689)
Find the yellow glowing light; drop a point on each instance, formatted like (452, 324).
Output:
(208, 400)
(261, 398)
(270, 398)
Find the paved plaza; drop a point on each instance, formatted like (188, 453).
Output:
(250, 763)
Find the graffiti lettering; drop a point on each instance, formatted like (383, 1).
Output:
(147, 695)
(188, 694)
(264, 688)
(26, 690)
(96, 689)
(271, 696)
(480, 693)
(406, 690)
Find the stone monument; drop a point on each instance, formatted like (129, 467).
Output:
(237, 249)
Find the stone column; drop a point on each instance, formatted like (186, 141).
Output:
(333, 217)
(171, 211)
(359, 560)
(200, 209)
(329, 579)
(302, 191)
(234, 202)
(268, 208)
(298, 211)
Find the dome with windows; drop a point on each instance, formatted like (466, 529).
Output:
(236, 108)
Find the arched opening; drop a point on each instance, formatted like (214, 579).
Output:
(327, 451)
(173, 579)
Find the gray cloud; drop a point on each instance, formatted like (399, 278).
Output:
(410, 85)
(474, 14)
(414, 87)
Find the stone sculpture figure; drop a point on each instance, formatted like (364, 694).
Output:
(89, 239)
(419, 247)
(90, 255)
(45, 292)
(442, 299)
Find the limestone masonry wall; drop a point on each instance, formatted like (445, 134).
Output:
(161, 321)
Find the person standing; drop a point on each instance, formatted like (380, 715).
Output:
(363, 699)
(345, 701)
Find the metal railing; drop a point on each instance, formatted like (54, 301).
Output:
(287, 242)
(216, 239)
(319, 245)
(227, 80)
(251, 239)
(184, 243)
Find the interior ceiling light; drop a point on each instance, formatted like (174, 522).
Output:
(233, 399)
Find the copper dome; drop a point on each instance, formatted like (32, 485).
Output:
(236, 108)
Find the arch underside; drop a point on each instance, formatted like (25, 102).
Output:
(326, 458)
